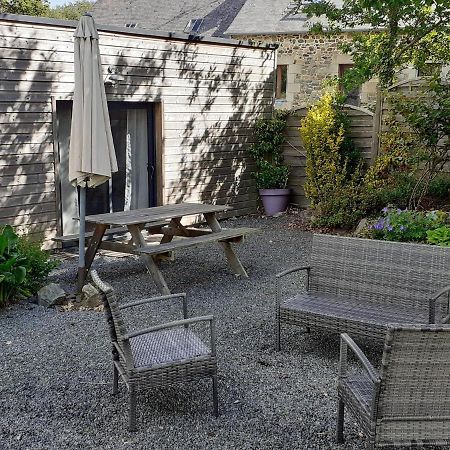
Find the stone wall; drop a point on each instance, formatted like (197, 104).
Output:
(311, 60)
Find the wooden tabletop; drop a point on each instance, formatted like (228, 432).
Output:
(155, 214)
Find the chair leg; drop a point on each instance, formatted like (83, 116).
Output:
(278, 334)
(215, 396)
(340, 423)
(132, 409)
(115, 380)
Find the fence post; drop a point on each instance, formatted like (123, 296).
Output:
(376, 126)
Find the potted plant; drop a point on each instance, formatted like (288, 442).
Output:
(271, 174)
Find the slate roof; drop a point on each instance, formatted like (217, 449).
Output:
(273, 17)
(268, 17)
(169, 15)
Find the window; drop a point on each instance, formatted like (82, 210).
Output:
(429, 70)
(354, 96)
(281, 82)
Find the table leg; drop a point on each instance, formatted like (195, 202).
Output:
(148, 260)
(174, 223)
(231, 256)
(91, 251)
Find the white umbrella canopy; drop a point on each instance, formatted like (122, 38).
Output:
(92, 158)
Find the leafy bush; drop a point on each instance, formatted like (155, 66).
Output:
(24, 267)
(333, 165)
(269, 136)
(12, 270)
(440, 186)
(405, 225)
(38, 264)
(439, 236)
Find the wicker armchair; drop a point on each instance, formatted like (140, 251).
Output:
(164, 354)
(407, 403)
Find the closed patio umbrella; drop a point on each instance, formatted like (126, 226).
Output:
(92, 158)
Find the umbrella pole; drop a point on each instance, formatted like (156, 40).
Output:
(81, 241)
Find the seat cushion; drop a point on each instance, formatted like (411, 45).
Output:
(165, 346)
(352, 310)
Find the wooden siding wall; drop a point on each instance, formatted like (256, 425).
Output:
(360, 131)
(210, 94)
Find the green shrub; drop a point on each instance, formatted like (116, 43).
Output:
(12, 270)
(267, 151)
(440, 186)
(405, 225)
(333, 165)
(38, 264)
(24, 267)
(439, 236)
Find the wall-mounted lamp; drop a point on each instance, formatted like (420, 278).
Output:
(112, 78)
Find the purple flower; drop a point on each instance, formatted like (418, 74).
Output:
(402, 228)
(390, 228)
(379, 225)
(385, 209)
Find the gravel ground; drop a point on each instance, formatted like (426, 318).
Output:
(55, 366)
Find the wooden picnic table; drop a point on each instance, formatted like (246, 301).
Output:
(165, 220)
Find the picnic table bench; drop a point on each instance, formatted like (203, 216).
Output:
(359, 286)
(165, 220)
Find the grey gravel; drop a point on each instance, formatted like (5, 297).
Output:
(55, 368)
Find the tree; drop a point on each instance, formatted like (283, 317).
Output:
(28, 7)
(387, 34)
(72, 10)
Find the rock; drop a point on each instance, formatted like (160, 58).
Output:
(90, 297)
(50, 295)
(362, 225)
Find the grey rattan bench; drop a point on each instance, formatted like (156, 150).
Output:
(407, 403)
(164, 354)
(358, 286)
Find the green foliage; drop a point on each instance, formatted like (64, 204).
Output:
(38, 263)
(404, 32)
(333, 165)
(426, 124)
(439, 236)
(28, 7)
(440, 186)
(12, 270)
(267, 151)
(405, 225)
(72, 10)
(24, 267)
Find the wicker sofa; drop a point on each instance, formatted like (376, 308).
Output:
(358, 286)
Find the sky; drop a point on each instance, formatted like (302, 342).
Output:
(58, 2)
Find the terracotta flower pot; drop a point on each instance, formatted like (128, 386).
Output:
(274, 200)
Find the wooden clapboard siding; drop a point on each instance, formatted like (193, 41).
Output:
(361, 121)
(210, 94)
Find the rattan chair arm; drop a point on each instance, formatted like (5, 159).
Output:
(164, 326)
(119, 350)
(432, 305)
(144, 301)
(292, 270)
(347, 341)
(278, 282)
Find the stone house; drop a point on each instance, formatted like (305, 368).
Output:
(305, 60)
